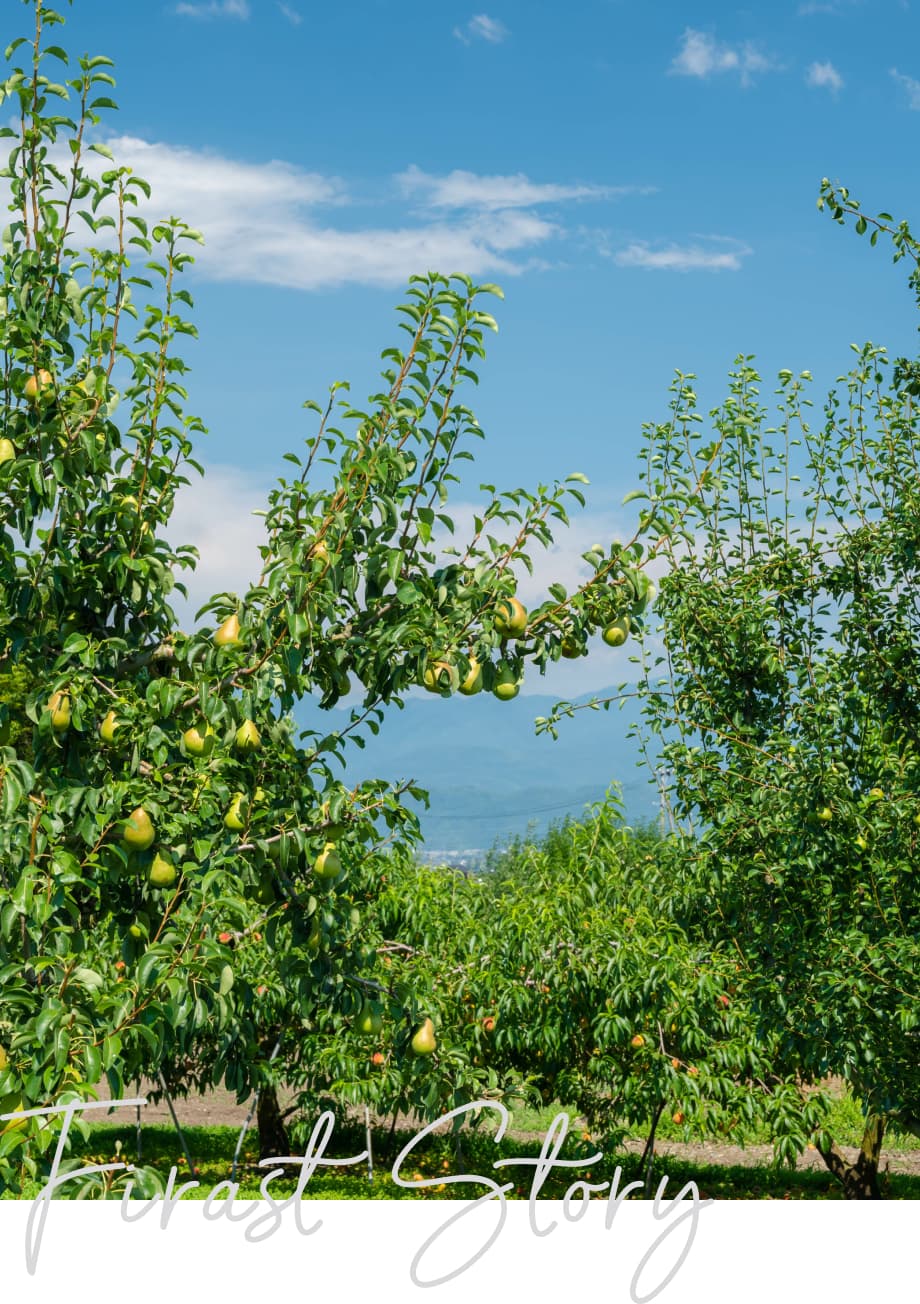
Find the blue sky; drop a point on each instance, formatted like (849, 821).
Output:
(640, 178)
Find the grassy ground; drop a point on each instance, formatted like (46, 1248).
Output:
(212, 1150)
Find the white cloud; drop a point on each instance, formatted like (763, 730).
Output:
(267, 223)
(685, 258)
(293, 17)
(459, 189)
(911, 85)
(702, 56)
(215, 515)
(824, 75)
(214, 9)
(482, 28)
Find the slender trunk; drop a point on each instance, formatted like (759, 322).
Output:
(860, 1179)
(648, 1154)
(273, 1137)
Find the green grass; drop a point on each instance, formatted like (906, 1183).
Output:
(212, 1151)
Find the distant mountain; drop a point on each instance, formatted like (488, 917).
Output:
(489, 776)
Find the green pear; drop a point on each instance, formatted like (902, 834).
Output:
(616, 633)
(60, 708)
(369, 1023)
(135, 931)
(162, 871)
(327, 863)
(441, 676)
(424, 1041)
(235, 818)
(197, 743)
(108, 727)
(4, 1059)
(228, 635)
(510, 618)
(248, 738)
(7, 451)
(570, 647)
(472, 683)
(506, 685)
(138, 833)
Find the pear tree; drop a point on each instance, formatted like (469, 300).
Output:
(786, 705)
(171, 842)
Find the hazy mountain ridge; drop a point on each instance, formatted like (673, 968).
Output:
(488, 775)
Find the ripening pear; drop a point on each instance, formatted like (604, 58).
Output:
(506, 685)
(473, 681)
(138, 833)
(319, 551)
(235, 819)
(4, 1059)
(616, 633)
(197, 743)
(248, 738)
(37, 385)
(108, 727)
(7, 451)
(441, 676)
(424, 1041)
(327, 863)
(510, 618)
(570, 647)
(162, 871)
(229, 633)
(369, 1023)
(59, 706)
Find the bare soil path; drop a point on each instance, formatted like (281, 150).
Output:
(220, 1108)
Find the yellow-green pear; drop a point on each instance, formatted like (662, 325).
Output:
(37, 385)
(248, 738)
(616, 633)
(319, 551)
(424, 1041)
(506, 685)
(135, 931)
(4, 1058)
(441, 676)
(472, 682)
(235, 819)
(7, 451)
(138, 833)
(197, 743)
(369, 1023)
(162, 871)
(60, 708)
(108, 727)
(570, 647)
(228, 635)
(327, 863)
(510, 618)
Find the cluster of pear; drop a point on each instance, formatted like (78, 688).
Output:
(442, 675)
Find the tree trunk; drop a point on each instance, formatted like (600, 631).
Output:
(273, 1137)
(859, 1180)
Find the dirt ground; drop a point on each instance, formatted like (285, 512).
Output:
(220, 1109)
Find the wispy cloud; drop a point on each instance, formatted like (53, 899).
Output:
(824, 75)
(809, 8)
(271, 223)
(293, 17)
(482, 28)
(703, 56)
(459, 189)
(696, 257)
(214, 9)
(911, 85)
